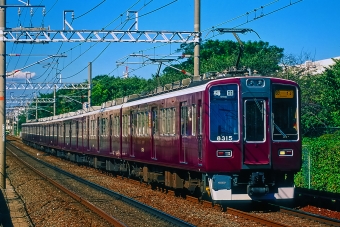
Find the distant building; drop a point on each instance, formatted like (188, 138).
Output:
(318, 67)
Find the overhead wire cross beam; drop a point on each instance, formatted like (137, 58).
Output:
(25, 35)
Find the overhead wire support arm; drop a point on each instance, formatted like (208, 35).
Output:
(24, 35)
(46, 86)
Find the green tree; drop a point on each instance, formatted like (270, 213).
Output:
(218, 56)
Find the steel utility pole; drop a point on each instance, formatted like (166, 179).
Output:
(54, 100)
(90, 85)
(197, 29)
(2, 96)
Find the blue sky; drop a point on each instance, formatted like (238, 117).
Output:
(309, 26)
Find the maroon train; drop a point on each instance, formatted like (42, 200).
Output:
(233, 138)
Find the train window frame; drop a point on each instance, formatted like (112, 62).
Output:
(184, 119)
(194, 119)
(103, 127)
(168, 121)
(260, 106)
(292, 102)
(142, 123)
(200, 121)
(216, 91)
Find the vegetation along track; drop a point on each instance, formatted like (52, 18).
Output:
(106, 203)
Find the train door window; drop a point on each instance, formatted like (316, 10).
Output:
(132, 123)
(223, 113)
(125, 125)
(163, 121)
(77, 129)
(116, 126)
(110, 125)
(154, 121)
(104, 126)
(193, 119)
(184, 119)
(168, 121)
(92, 125)
(254, 123)
(199, 117)
(98, 126)
(138, 125)
(171, 121)
(146, 123)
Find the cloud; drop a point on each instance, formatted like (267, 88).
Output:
(20, 75)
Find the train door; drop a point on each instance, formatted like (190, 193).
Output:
(131, 134)
(154, 130)
(183, 132)
(256, 132)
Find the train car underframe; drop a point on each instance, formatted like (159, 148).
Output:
(219, 188)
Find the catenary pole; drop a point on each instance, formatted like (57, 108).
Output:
(54, 99)
(197, 29)
(2, 96)
(90, 85)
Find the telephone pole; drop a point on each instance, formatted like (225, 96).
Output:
(2, 95)
(197, 29)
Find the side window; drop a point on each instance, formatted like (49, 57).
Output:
(168, 121)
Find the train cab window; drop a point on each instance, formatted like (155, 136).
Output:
(223, 113)
(284, 112)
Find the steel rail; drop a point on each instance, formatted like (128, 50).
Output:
(98, 211)
(310, 216)
(162, 215)
(255, 218)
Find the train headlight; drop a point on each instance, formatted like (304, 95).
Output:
(286, 152)
(224, 153)
(255, 83)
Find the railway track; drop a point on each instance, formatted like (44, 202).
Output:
(115, 208)
(271, 219)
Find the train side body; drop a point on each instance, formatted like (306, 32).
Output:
(239, 137)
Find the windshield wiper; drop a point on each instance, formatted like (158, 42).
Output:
(280, 131)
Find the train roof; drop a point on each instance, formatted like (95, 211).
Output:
(178, 88)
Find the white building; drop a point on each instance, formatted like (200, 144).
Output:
(318, 67)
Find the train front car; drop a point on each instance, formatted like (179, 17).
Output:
(253, 145)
